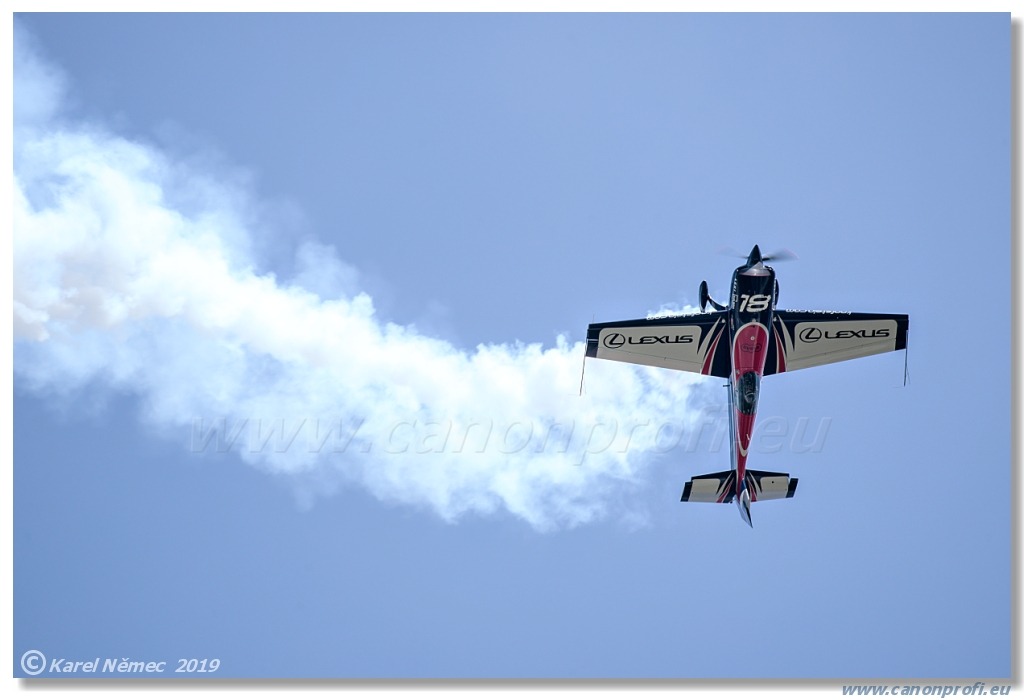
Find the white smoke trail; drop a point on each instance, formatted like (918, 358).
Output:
(134, 272)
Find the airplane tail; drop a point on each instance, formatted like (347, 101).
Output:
(720, 487)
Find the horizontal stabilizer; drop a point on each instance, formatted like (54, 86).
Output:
(765, 486)
(710, 488)
(720, 487)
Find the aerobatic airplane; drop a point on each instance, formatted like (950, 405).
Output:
(744, 341)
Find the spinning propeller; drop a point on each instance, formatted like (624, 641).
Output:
(755, 255)
(754, 258)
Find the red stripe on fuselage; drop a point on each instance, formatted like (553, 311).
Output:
(749, 351)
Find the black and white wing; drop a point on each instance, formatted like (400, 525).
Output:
(803, 339)
(691, 343)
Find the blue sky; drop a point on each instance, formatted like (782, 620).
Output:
(401, 225)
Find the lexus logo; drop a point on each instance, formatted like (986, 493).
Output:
(813, 335)
(615, 340)
(810, 335)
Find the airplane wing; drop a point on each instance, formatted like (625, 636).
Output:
(691, 342)
(810, 338)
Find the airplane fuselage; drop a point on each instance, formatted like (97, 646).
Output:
(750, 322)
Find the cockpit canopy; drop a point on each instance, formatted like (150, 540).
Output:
(747, 391)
